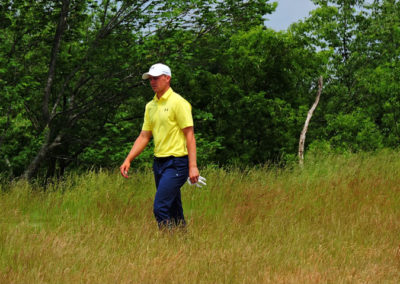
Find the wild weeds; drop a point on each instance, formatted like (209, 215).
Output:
(337, 220)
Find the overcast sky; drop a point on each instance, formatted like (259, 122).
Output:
(288, 12)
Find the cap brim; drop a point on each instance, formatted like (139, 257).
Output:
(151, 74)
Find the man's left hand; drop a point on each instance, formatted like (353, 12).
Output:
(194, 174)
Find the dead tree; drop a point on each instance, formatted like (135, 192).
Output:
(305, 128)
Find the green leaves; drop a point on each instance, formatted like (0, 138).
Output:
(250, 87)
(75, 79)
(353, 132)
(253, 84)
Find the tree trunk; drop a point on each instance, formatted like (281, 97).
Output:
(305, 128)
(53, 59)
(51, 168)
(49, 144)
(43, 153)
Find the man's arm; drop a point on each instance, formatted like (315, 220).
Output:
(137, 148)
(191, 146)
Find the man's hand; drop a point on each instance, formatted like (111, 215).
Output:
(139, 145)
(124, 168)
(200, 182)
(193, 174)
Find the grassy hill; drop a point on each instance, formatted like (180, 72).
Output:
(337, 220)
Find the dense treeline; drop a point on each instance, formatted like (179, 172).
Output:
(72, 95)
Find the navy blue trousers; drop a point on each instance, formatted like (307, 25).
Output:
(170, 175)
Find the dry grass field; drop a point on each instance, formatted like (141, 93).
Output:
(337, 220)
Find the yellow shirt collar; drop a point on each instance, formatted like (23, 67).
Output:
(165, 96)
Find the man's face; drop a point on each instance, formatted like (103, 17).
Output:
(160, 84)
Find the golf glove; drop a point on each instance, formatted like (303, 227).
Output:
(200, 183)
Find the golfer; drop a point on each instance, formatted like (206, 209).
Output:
(168, 119)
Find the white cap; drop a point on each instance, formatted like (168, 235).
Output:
(157, 70)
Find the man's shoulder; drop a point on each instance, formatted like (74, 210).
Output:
(178, 98)
(150, 104)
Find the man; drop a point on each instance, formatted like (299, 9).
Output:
(168, 119)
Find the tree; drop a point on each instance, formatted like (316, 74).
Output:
(253, 90)
(378, 48)
(361, 39)
(307, 122)
(72, 63)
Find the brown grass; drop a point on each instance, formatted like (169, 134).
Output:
(335, 221)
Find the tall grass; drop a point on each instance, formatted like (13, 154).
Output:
(337, 220)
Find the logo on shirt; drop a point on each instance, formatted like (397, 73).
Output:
(165, 109)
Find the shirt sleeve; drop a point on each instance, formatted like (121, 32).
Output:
(146, 122)
(184, 114)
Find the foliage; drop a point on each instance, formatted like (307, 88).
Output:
(72, 95)
(353, 132)
(361, 86)
(73, 66)
(252, 88)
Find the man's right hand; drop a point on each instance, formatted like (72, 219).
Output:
(124, 168)
(140, 143)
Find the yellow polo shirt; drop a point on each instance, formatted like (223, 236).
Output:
(165, 118)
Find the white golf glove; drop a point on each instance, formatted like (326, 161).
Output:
(200, 183)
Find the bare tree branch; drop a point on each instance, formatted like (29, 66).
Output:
(103, 20)
(305, 128)
(53, 59)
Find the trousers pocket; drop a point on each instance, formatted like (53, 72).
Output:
(182, 166)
